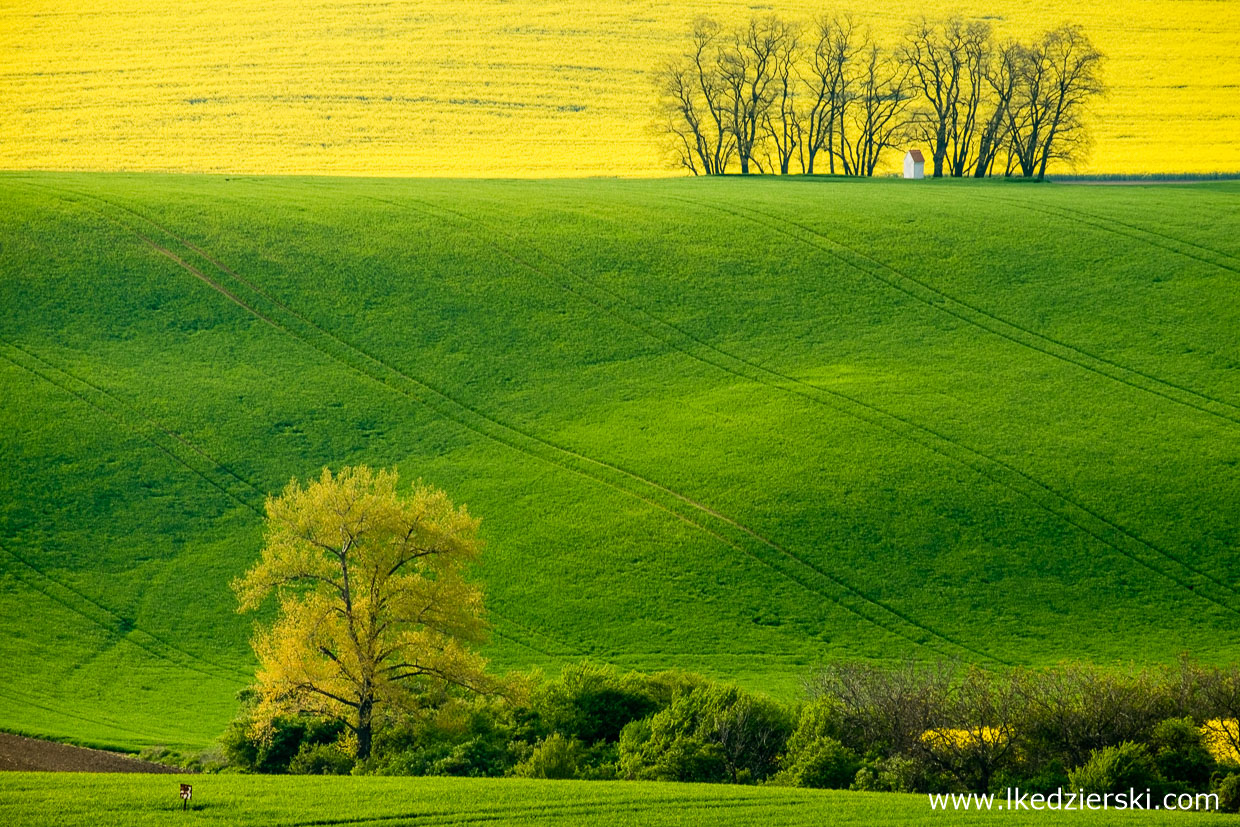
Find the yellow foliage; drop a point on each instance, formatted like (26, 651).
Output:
(374, 607)
(347, 743)
(1222, 739)
(519, 88)
(963, 738)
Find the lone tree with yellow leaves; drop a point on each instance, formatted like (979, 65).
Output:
(374, 607)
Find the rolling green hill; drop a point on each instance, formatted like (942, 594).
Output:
(737, 426)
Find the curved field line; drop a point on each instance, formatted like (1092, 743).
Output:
(983, 319)
(1159, 551)
(625, 472)
(14, 695)
(569, 651)
(873, 416)
(514, 444)
(1132, 231)
(182, 440)
(118, 629)
(65, 386)
(524, 645)
(1097, 532)
(523, 441)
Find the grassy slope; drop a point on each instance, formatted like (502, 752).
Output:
(40, 798)
(736, 426)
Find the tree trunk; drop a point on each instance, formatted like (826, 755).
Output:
(1046, 155)
(940, 149)
(365, 725)
(983, 158)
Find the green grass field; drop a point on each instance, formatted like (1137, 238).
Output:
(736, 426)
(48, 798)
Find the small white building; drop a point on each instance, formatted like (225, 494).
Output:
(914, 164)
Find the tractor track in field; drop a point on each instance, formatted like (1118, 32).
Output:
(529, 646)
(1154, 238)
(566, 650)
(122, 629)
(783, 562)
(1106, 523)
(21, 698)
(1083, 518)
(7, 351)
(981, 318)
(126, 421)
(515, 444)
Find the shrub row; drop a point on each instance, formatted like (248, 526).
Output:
(916, 728)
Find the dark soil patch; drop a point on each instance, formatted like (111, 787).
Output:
(18, 753)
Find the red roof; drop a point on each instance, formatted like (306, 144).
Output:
(916, 153)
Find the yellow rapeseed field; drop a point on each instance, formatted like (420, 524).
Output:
(502, 87)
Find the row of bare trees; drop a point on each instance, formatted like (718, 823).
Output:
(775, 96)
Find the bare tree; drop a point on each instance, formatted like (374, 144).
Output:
(747, 73)
(782, 120)
(1219, 690)
(980, 730)
(888, 709)
(827, 76)
(975, 92)
(1057, 78)
(681, 120)
(1002, 71)
(1076, 709)
(950, 66)
(749, 732)
(876, 116)
(935, 52)
(693, 105)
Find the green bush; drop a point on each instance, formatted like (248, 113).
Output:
(1044, 778)
(272, 752)
(593, 703)
(1116, 770)
(823, 763)
(1228, 789)
(814, 755)
(666, 686)
(593, 722)
(900, 774)
(479, 757)
(554, 757)
(711, 734)
(475, 739)
(666, 748)
(1180, 753)
(822, 718)
(320, 759)
(600, 763)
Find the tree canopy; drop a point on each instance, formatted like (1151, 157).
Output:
(374, 607)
